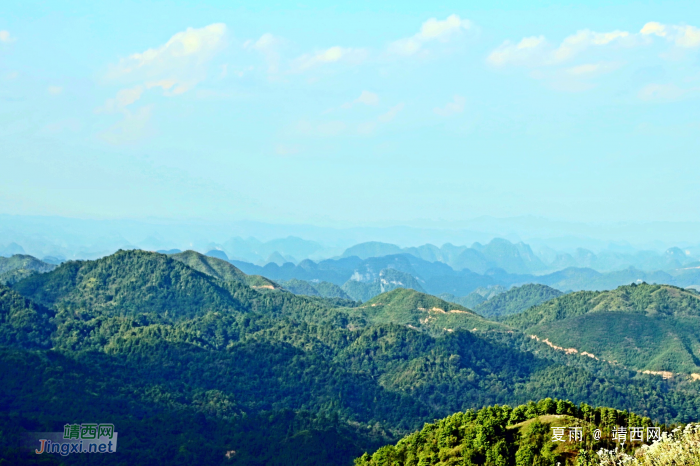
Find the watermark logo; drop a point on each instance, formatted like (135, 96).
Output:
(90, 437)
(619, 433)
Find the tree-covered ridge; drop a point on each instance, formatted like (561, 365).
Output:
(23, 261)
(643, 327)
(19, 267)
(420, 311)
(344, 377)
(516, 300)
(322, 289)
(221, 269)
(23, 324)
(505, 436)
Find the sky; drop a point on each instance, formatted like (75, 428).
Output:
(351, 113)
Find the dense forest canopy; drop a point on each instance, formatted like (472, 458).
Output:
(143, 339)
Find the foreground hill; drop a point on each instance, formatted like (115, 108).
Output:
(643, 327)
(516, 300)
(501, 435)
(216, 366)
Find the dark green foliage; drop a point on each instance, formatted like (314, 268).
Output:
(516, 300)
(301, 287)
(503, 436)
(644, 327)
(419, 310)
(275, 377)
(22, 323)
(19, 267)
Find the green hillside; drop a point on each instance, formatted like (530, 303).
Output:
(129, 283)
(23, 323)
(221, 367)
(321, 289)
(421, 311)
(501, 435)
(516, 300)
(221, 269)
(643, 327)
(19, 267)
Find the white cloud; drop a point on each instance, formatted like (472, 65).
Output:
(267, 45)
(523, 51)
(591, 69)
(124, 98)
(175, 67)
(5, 37)
(452, 108)
(432, 29)
(186, 48)
(681, 35)
(366, 98)
(536, 51)
(55, 90)
(331, 55)
(583, 39)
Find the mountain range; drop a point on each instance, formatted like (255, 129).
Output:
(192, 346)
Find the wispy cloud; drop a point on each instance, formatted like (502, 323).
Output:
(268, 46)
(431, 30)
(178, 65)
(331, 55)
(175, 67)
(452, 108)
(55, 90)
(370, 127)
(681, 35)
(6, 37)
(536, 51)
(366, 98)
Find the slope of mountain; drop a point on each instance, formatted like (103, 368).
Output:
(363, 287)
(219, 368)
(19, 267)
(516, 300)
(129, 283)
(302, 287)
(23, 323)
(501, 435)
(644, 327)
(222, 269)
(420, 311)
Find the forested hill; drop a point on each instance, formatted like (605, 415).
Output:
(216, 366)
(522, 436)
(516, 300)
(20, 266)
(421, 311)
(644, 327)
(221, 269)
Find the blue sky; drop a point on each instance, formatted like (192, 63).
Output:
(351, 113)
